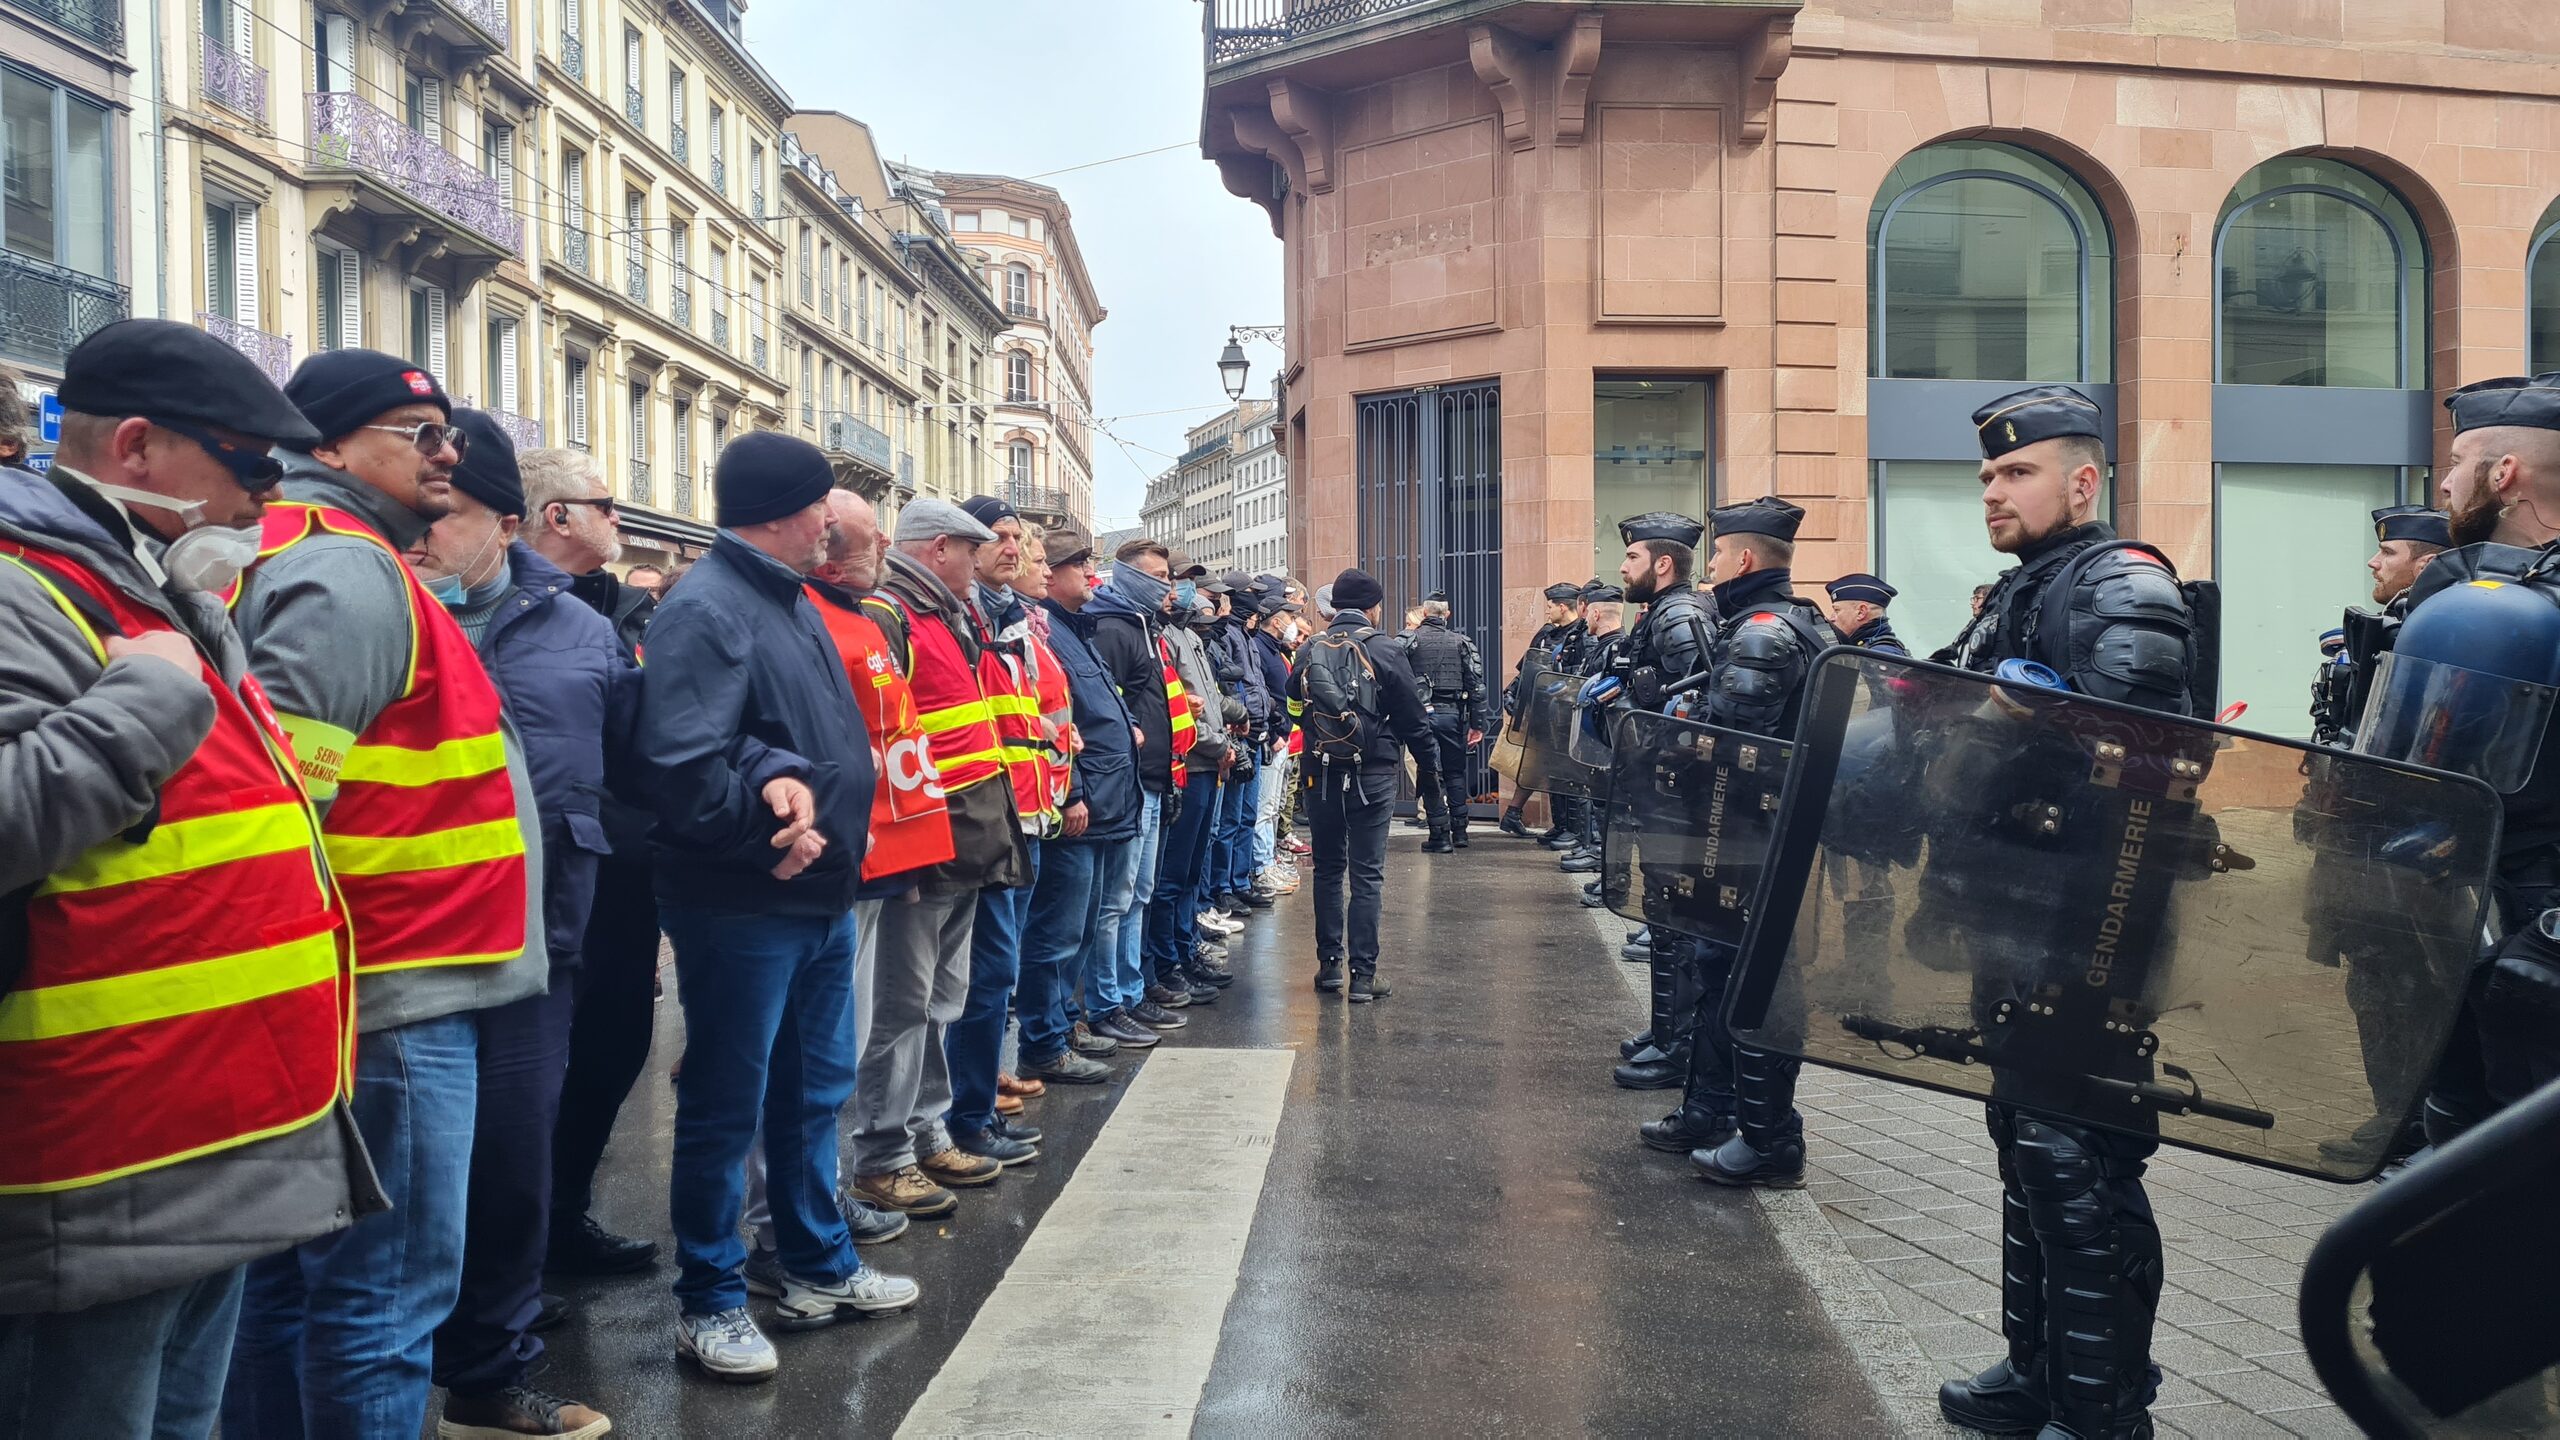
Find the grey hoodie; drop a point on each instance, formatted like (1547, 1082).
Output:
(326, 624)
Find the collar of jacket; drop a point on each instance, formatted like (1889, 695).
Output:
(1349, 620)
(2070, 537)
(1733, 596)
(843, 597)
(779, 582)
(313, 481)
(921, 589)
(537, 583)
(58, 513)
(604, 593)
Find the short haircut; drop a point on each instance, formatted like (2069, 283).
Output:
(556, 473)
(1142, 545)
(16, 426)
(1435, 609)
(1684, 561)
(1771, 550)
(658, 571)
(2079, 450)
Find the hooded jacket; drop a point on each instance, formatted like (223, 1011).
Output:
(1106, 773)
(1124, 640)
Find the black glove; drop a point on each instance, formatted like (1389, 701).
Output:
(2519, 1009)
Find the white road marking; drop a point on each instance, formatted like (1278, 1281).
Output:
(1107, 1322)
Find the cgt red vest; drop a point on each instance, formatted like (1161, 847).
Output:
(186, 988)
(423, 834)
(949, 699)
(1178, 700)
(910, 822)
(1013, 700)
(1058, 706)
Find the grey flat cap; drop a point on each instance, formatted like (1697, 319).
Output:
(925, 518)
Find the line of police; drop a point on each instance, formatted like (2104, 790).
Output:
(2081, 1255)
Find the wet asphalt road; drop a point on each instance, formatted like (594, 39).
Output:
(1458, 1232)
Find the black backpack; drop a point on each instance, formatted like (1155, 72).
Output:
(1340, 695)
(2204, 616)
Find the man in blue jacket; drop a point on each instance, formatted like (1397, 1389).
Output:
(761, 777)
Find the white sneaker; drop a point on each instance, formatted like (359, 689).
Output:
(727, 1346)
(1217, 923)
(809, 1304)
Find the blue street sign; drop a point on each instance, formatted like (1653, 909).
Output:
(49, 419)
(41, 464)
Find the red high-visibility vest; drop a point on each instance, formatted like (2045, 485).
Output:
(1058, 706)
(1177, 700)
(910, 821)
(423, 834)
(1013, 699)
(949, 699)
(186, 988)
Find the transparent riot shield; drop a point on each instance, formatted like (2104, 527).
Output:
(2228, 942)
(1691, 812)
(1551, 709)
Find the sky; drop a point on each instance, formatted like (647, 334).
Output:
(1022, 87)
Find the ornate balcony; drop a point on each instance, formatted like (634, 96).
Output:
(678, 143)
(1036, 500)
(523, 430)
(231, 81)
(809, 414)
(100, 22)
(573, 57)
(1237, 28)
(635, 281)
(1020, 311)
(488, 16)
(573, 250)
(45, 309)
(680, 491)
(392, 160)
(634, 109)
(757, 354)
(720, 329)
(640, 482)
(850, 435)
(273, 354)
(720, 174)
(680, 306)
(755, 204)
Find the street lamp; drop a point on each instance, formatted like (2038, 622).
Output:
(1232, 364)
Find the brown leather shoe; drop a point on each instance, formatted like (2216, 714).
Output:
(956, 1166)
(1008, 1104)
(1015, 1085)
(906, 1191)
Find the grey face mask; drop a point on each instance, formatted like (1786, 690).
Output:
(1142, 589)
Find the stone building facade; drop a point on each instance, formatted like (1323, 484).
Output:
(1550, 264)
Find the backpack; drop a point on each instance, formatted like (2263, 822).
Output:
(1341, 695)
(2204, 619)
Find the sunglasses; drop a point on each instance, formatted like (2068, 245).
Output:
(252, 466)
(601, 502)
(430, 437)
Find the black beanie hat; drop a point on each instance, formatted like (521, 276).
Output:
(1357, 589)
(764, 475)
(339, 391)
(488, 471)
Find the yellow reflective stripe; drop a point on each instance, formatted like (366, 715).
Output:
(87, 1006)
(1297, 707)
(452, 760)
(182, 845)
(952, 717)
(437, 850)
(63, 603)
(1011, 704)
(1182, 719)
(319, 752)
(387, 966)
(953, 762)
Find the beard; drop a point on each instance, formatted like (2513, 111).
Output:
(1641, 589)
(2476, 517)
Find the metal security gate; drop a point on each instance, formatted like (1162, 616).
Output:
(1430, 488)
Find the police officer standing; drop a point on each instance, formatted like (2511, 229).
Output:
(1857, 612)
(2406, 537)
(1665, 654)
(1564, 607)
(2080, 1271)
(1737, 1114)
(1452, 676)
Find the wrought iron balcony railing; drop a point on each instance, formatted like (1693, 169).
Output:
(233, 82)
(634, 108)
(100, 22)
(640, 482)
(635, 281)
(677, 142)
(850, 434)
(755, 204)
(1235, 29)
(489, 15)
(680, 491)
(1020, 311)
(573, 56)
(349, 134)
(573, 250)
(524, 430)
(680, 306)
(45, 308)
(907, 471)
(273, 354)
(1035, 499)
(757, 354)
(809, 414)
(720, 174)
(720, 330)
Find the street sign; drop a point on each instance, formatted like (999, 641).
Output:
(49, 419)
(41, 464)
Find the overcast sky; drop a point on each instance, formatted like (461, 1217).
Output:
(1021, 87)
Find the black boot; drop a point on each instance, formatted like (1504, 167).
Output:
(1673, 997)
(2102, 1277)
(1458, 830)
(1767, 1147)
(1705, 1117)
(2009, 1398)
(1437, 843)
(1511, 823)
(1633, 1044)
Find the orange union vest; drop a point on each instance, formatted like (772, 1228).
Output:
(1058, 704)
(423, 834)
(186, 986)
(949, 701)
(910, 823)
(1013, 700)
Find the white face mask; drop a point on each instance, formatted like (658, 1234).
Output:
(205, 558)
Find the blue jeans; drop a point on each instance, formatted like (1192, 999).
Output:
(1180, 876)
(488, 1342)
(147, 1366)
(1118, 973)
(337, 1335)
(1065, 916)
(1231, 861)
(768, 1010)
(973, 1045)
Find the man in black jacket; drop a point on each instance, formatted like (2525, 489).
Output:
(1451, 674)
(1350, 805)
(761, 778)
(1127, 613)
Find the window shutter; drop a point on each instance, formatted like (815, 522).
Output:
(715, 130)
(575, 182)
(509, 399)
(431, 101)
(212, 258)
(631, 58)
(244, 41)
(676, 252)
(577, 400)
(684, 440)
(435, 333)
(639, 425)
(569, 17)
(244, 263)
(350, 301)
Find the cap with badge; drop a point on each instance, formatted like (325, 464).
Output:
(1866, 588)
(488, 471)
(341, 391)
(990, 511)
(2413, 522)
(2039, 412)
(2508, 400)
(1768, 515)
(160, 369)
(1564, 592)
(1664, 525)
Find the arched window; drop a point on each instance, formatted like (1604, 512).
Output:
(2321, 411)
(2542, 294)
(1017, 377)
(1017, 288)
(1018, 464)
(1988, 267)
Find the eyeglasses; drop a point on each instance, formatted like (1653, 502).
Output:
(601, 502)
(430, 437)
(251, 465)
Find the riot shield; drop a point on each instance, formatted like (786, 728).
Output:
(1691, 810)
(1551, 708)
(2221, 940)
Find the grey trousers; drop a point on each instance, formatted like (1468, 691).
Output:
(918, 984)
(866, 948)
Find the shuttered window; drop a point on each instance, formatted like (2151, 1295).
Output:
(333, 57)
(577, 388)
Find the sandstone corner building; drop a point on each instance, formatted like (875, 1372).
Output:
(1549, 265)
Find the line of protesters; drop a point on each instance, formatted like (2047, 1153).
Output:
(343, 818)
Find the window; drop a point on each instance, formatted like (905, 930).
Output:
(1018, 463)
(680, 272)
(827, 279)
(2542, 294)
(576, 393)
(333, 53)
(719, 434)
(573, 47)
(2323, 274)
(341, 297)
(755, 178)
(634, 258)
(1990, 263)
(505, 390)
(57, 207)
(759, 347)
(426, 328)
(573, 192)
(808, 262)
(1017, 377)
(422, 101)
(682, 431)
(1017, 287)
(231, 261)
(233, 25)
(635, 107)
(902, 336)
(1020, 228)
(498, 154)
(843, 315)
(713, 132)
(964, 219)
(862, 306)
(675, 115)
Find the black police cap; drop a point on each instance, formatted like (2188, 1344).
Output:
(1861, 587)
(160, 369)
(2508, 400)
(1602, 594)
(2413, 522)
(1563, 592)
(1768, 515)
(2039, 412)
(1667, 525)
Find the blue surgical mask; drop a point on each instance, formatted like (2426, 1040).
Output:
(1186, 593)
(453, 595)
(447, 589)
